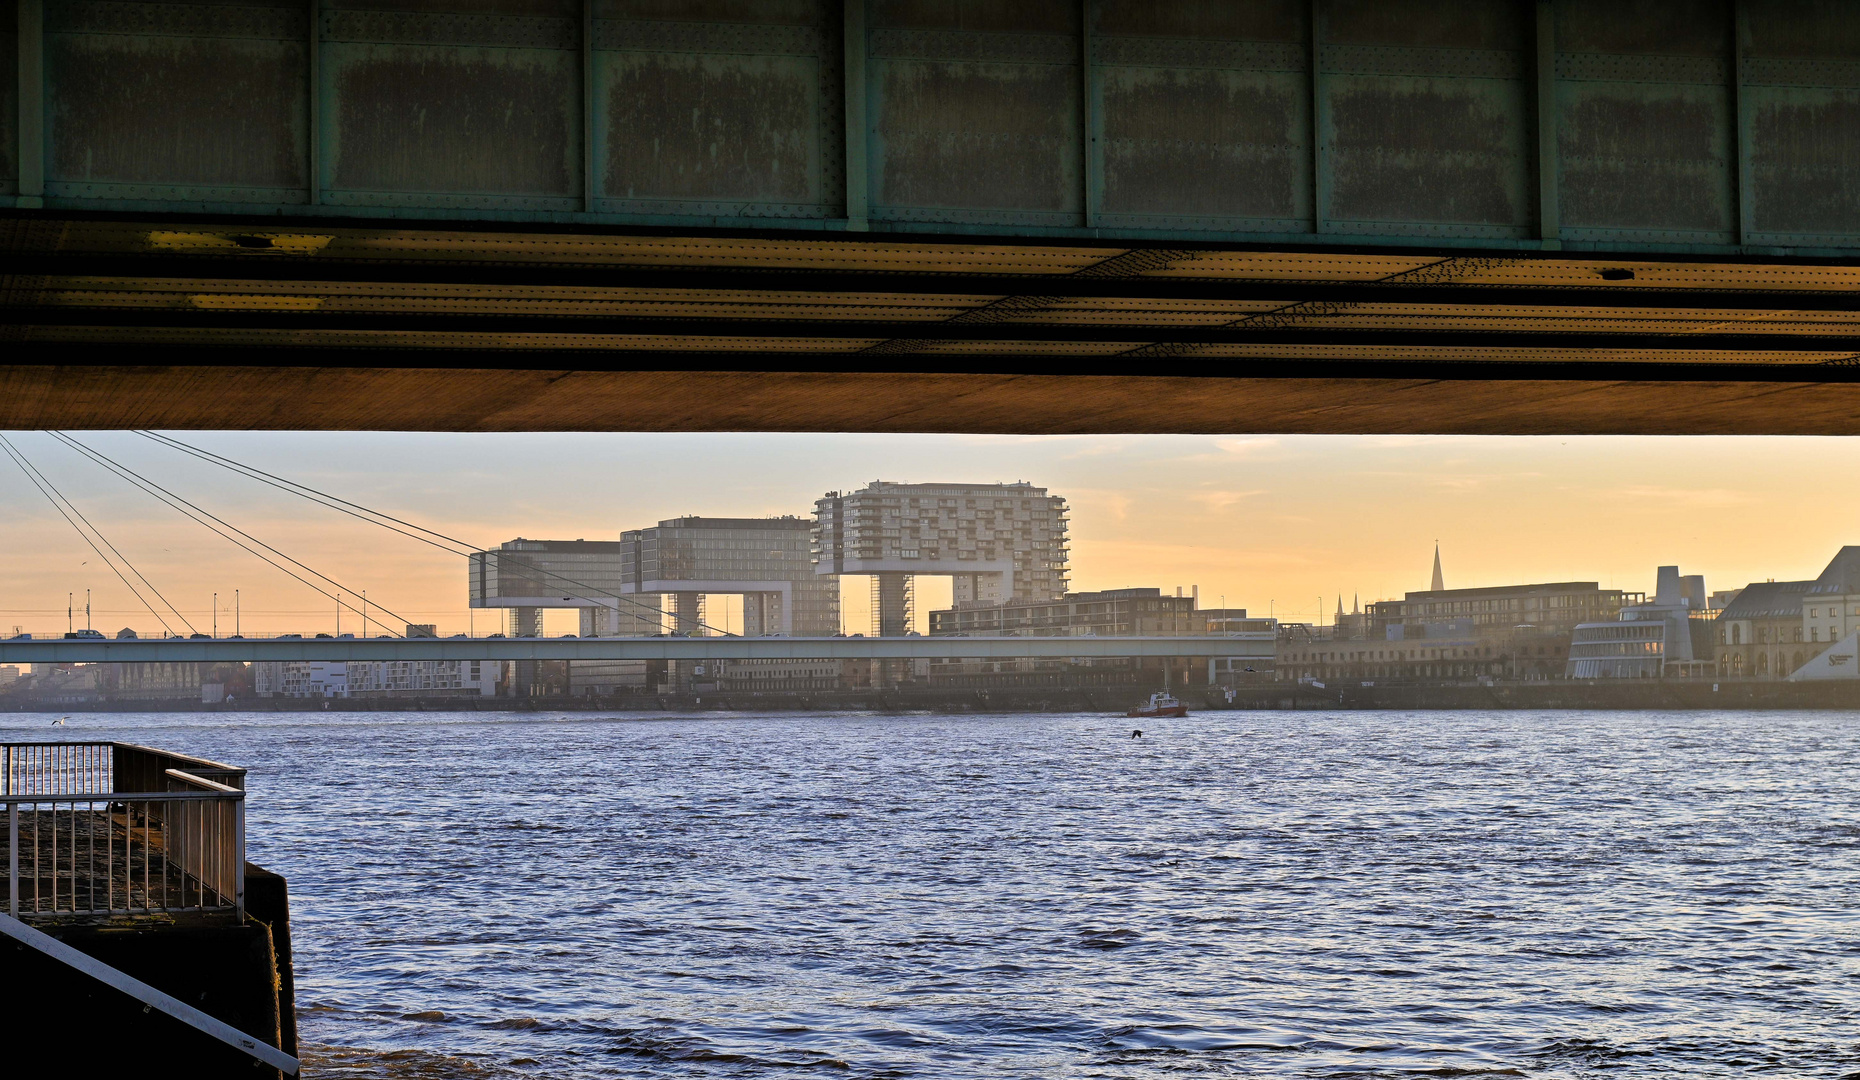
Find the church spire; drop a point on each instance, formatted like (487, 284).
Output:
(1438, 584)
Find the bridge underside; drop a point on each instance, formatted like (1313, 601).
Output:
(934, 215)
(131, 322)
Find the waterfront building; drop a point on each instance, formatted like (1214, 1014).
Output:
(765, 561)
(300, 679)
(1768, 631)
(1141, 612)
(1555, 608)
(1669, 636)
(377, 678)
(1760, 635)
(996, 542)
(526, 577)
(1831, 607)
(1443, 651)
(1108, 613)
(78, 684)
(776, 676)
(8, 673)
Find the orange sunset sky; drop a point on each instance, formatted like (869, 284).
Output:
(1262, 522)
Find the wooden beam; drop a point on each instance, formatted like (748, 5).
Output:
(51, 396)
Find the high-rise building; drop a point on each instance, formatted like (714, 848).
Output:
(763, 560)
(526, 577)
(997, 542)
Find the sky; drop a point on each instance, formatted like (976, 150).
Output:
(1279, 525)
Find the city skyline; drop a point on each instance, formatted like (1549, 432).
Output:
(1267, 523)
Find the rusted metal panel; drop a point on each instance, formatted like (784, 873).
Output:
(975, 108)
(452, 103)
(1646, 136)
(175, 102)
(9, 97)
(1426, 117)
(719, 108)
(1206, 114)
(1801, 105)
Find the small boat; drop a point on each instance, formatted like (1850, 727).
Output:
(1162, 703)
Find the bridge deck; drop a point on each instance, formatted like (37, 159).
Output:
(57, 650)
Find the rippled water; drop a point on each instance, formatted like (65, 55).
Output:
(1241, 894)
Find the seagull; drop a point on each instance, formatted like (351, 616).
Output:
(60, 722)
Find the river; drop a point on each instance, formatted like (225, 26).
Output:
(1306, 894)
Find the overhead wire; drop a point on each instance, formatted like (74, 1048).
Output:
(364, 513)
(43, 482)
(223, 528)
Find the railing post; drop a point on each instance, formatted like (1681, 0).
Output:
(12, 849)
(239, 856)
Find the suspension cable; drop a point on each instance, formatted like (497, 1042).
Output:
(217, 525)
(42, 482)
(364, 513)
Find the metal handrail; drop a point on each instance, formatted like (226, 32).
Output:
(91, 831)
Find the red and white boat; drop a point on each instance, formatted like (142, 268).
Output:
(1162, 703)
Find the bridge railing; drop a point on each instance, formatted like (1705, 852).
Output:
(101, 829)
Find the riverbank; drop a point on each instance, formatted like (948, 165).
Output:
(1551, 694)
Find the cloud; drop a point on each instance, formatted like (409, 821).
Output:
(1156, 553)
(1221, 500)
(1667, 498)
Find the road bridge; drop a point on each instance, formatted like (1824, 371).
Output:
(1075, 215)
(208, 650)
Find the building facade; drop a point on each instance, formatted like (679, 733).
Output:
(765, 561)
(1760, 635)
(1831, 607)
(1768, 633)
(1669, 636)
(1554, 608)
(997, 542)
(377, 678)
(779, 676)
(1108, 613)
(526, 577)
(1454, 652)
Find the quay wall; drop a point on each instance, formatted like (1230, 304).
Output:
(1551, 694)
(238, 973)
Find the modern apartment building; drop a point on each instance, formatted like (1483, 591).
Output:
(377, 678)
(997, 542)
(765, 561)
(526, 577)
